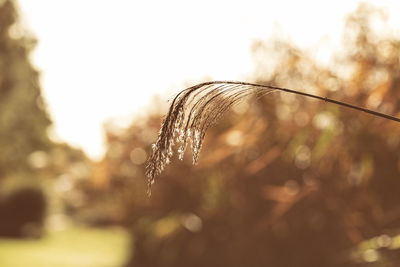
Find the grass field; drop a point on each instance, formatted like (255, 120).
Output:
(73, 247)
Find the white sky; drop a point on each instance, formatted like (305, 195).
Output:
(102, 59)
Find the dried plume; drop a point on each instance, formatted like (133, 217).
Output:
(191, 113)
(197, 108)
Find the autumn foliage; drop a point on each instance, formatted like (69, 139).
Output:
(281, 180)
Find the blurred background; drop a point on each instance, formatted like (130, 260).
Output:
(296, 183)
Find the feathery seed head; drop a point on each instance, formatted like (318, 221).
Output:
(191, 113)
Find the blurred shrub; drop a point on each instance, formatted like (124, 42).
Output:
(281, 180)
(22, 213)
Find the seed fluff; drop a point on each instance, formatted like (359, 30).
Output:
(191, 113)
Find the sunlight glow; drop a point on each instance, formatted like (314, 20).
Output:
(106, 59)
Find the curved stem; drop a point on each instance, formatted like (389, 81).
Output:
(375, 113)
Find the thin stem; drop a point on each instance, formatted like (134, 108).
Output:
(375, 113)
(198, 107)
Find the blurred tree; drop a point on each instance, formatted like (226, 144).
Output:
(23, 131)
(23, 118)
(296, 183)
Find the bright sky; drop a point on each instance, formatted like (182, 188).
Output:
(102, 59)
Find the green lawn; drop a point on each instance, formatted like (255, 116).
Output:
(73, 247)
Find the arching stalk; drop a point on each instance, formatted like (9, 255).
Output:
(198, 107)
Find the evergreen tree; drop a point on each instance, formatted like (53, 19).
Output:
(23, 118)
